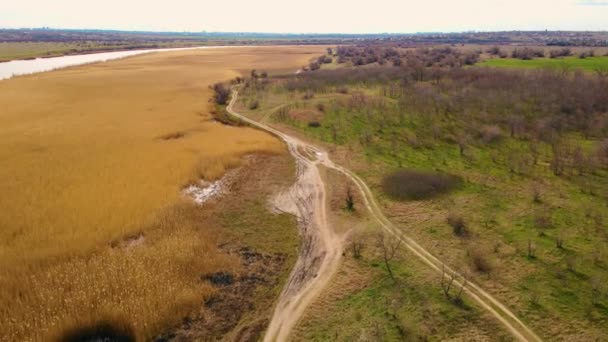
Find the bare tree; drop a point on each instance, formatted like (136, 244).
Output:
(389, 247)
(558, 159)
(462, 286)
(357, 245)
(559, 240)
(222, 93)
(447, 279)
(462, 142)
(596, 290)
(350, 199)
(531, 249)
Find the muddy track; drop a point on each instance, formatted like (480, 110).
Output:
(321, 249)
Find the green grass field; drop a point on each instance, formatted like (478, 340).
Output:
(588, 64)
(557, 287)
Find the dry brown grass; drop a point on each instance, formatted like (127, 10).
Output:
(82, 166)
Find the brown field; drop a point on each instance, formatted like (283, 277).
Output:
(85, 162)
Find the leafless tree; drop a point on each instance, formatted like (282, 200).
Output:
(222, 93)
(596, 290)
(559, 240)
(558, 162)
(531, 249)
(389, 246)
(447, 279)
(350, 199)
(357, 245)
(463, 284)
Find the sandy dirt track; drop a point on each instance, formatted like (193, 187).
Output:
(321, 248)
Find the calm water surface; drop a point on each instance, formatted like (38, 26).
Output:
(24, 67)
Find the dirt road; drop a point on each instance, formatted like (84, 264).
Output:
(321, 249)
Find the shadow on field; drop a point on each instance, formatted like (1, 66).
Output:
(104, 330)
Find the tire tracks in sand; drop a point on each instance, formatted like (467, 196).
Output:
(321, 248)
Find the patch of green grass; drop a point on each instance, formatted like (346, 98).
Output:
(497, 202)
(248, 220)
(392, 310)
(588, 64)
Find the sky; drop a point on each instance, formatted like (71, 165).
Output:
(310, 16)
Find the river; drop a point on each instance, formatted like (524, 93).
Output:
(24, 67)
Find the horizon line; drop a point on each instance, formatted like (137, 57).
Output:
(291, 33)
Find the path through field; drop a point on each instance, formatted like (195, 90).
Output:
(321, 248)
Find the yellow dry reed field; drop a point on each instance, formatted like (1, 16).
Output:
(92, 154)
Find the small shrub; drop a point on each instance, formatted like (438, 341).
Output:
(536, 194)
(417, 185)
(560, 53)
(342, 90)
(479, 261)
(222, 93)
(308, 95)
(350, 199)
(490, 134)
(314, 124)
(494, 50)
(571, 263)
(320, 107)
(254, 105)
(458, 225)
(543, 221)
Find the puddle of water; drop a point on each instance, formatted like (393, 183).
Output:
(203, 191)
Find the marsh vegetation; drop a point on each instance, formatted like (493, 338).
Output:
(93, 220)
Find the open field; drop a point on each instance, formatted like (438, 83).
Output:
(587, 64)
(365, 302)
(532, 215)
(94, 154)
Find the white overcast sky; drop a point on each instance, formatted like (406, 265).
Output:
(322, 16)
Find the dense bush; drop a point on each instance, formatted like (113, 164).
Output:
(459, 228)
(221, 93)
(473, 106)
(565, 52)
(527, 53)
(416, 185)
(480, 261)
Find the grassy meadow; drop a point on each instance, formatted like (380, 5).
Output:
(364, 302)
(533, 235)
(587, 64)
(94, 157)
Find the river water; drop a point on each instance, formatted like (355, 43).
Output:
(24, 67)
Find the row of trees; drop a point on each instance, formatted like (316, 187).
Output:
(468, 106)
(528, 53)
(388, 55)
